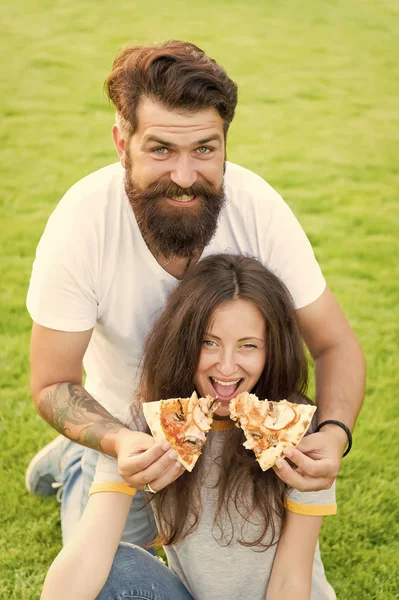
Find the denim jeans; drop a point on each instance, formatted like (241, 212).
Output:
(78, 466)
(137, 575)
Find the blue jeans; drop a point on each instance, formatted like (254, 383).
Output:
(78, 466)
(137, 575)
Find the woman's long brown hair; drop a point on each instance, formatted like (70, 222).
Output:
(171, 356)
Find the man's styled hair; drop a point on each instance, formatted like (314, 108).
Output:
(171, 356)
(178, 75)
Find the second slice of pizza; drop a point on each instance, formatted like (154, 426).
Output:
(184, 423)
(270, 427)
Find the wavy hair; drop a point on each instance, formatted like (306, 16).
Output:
(177, 74)
(171, 356)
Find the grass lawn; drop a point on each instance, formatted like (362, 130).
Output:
(317, 118)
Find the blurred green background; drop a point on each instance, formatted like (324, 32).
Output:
(317, 118)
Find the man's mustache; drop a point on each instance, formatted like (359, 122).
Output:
(172, 190)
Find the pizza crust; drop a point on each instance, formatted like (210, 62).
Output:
(152, 413)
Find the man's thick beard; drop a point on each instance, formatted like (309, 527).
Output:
(174, 231)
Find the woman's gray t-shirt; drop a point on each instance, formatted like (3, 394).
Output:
(212, 570)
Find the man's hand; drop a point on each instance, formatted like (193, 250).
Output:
(318, 458)
(142, 460)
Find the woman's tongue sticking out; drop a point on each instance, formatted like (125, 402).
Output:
(225, 390)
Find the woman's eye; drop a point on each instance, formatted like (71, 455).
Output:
(209, 343)
(249, 346)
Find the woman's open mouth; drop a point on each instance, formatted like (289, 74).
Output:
(225, 390)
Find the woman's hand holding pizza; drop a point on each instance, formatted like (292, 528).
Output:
(142, 460)
(318, 459)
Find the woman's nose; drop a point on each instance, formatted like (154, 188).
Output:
(227, 363)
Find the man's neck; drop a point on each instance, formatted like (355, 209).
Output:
(178, 267)
(174, 265)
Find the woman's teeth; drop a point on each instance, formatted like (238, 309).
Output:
(225, 383)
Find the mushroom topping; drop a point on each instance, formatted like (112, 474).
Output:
(273, 410)
(181, 416)
(255, 434)
(208, 404)
(272, 440)
(284, 417)
(200, 420)
(254, 440)
(214, 404)
(194, 441)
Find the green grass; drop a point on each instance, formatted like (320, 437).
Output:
(317, 117)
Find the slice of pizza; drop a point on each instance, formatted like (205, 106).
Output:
(270, 427)
(184, 422)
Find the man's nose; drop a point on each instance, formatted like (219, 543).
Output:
(183, 174)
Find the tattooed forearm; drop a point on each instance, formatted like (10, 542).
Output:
(77, 415)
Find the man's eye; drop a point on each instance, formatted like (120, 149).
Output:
(204, 150)
(160, 150)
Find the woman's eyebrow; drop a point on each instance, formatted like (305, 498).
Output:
(212, 335)
(251, 337)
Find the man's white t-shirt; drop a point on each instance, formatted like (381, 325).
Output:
(94, 270)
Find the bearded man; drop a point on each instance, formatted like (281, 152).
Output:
(116, 245)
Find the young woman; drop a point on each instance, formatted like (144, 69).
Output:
(230, 531)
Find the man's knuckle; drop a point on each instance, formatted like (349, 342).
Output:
(311, 470)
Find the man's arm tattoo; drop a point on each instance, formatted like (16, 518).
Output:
(77, 415)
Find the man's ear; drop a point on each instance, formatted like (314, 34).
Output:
(120, 144)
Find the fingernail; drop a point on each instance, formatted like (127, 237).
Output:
(288, 452)
(279, 463)
(165, 446)
(172, 454)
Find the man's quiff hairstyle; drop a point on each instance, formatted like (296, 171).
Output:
(178, 75)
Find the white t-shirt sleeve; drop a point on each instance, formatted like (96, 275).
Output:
(107, 470)
(62, 293)
(321, 503)
(107, 478)
(292, 259)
